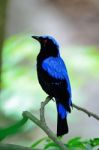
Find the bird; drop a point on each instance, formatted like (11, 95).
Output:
(54, 80)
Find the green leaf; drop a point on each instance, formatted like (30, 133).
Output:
(39, 141)
(94, 142)
(79, 144)
(73, 144)
(73, 141)
(51, 144)
(12, 129)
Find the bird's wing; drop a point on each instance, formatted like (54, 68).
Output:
(56, 68)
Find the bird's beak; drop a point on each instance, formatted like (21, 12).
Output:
(36, 37)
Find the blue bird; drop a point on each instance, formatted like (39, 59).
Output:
(54, 80)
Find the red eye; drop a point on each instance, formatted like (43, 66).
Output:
(45, 41)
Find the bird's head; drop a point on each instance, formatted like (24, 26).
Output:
(48, 44)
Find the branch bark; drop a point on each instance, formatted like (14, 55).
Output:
(42, 123)
(3, 6)
(14, 147)
(89, 113)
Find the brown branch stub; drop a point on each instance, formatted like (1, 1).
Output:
(89, 113)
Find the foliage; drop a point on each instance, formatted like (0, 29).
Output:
(4, 132)
(76, 143)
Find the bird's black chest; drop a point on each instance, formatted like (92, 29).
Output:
(45, 80)
(52, 86)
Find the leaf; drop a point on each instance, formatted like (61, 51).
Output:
(79, 144)
(74, 140)
(75, 143)
(94, 142)
(38, 142)
(12, 129)
(52, 144)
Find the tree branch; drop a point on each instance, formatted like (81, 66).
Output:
(14, 147)
(89, 113)
(3, 8)
(42, 118)
(42, 124)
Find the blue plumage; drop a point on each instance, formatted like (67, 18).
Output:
(54, 80)
(55, 67)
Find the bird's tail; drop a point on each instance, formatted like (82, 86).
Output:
(62, 126)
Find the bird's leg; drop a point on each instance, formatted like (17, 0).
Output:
(53, 99)
(72, 106)
(50, 97)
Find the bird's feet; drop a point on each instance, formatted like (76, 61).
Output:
(50, 97)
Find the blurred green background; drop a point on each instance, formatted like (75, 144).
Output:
(77, 33)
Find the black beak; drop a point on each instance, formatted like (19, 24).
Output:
(36, 37)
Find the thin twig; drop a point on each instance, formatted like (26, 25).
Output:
(89, 113)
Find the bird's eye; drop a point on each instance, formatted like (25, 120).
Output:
(45, 41)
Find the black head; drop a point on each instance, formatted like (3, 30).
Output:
(48, 45)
